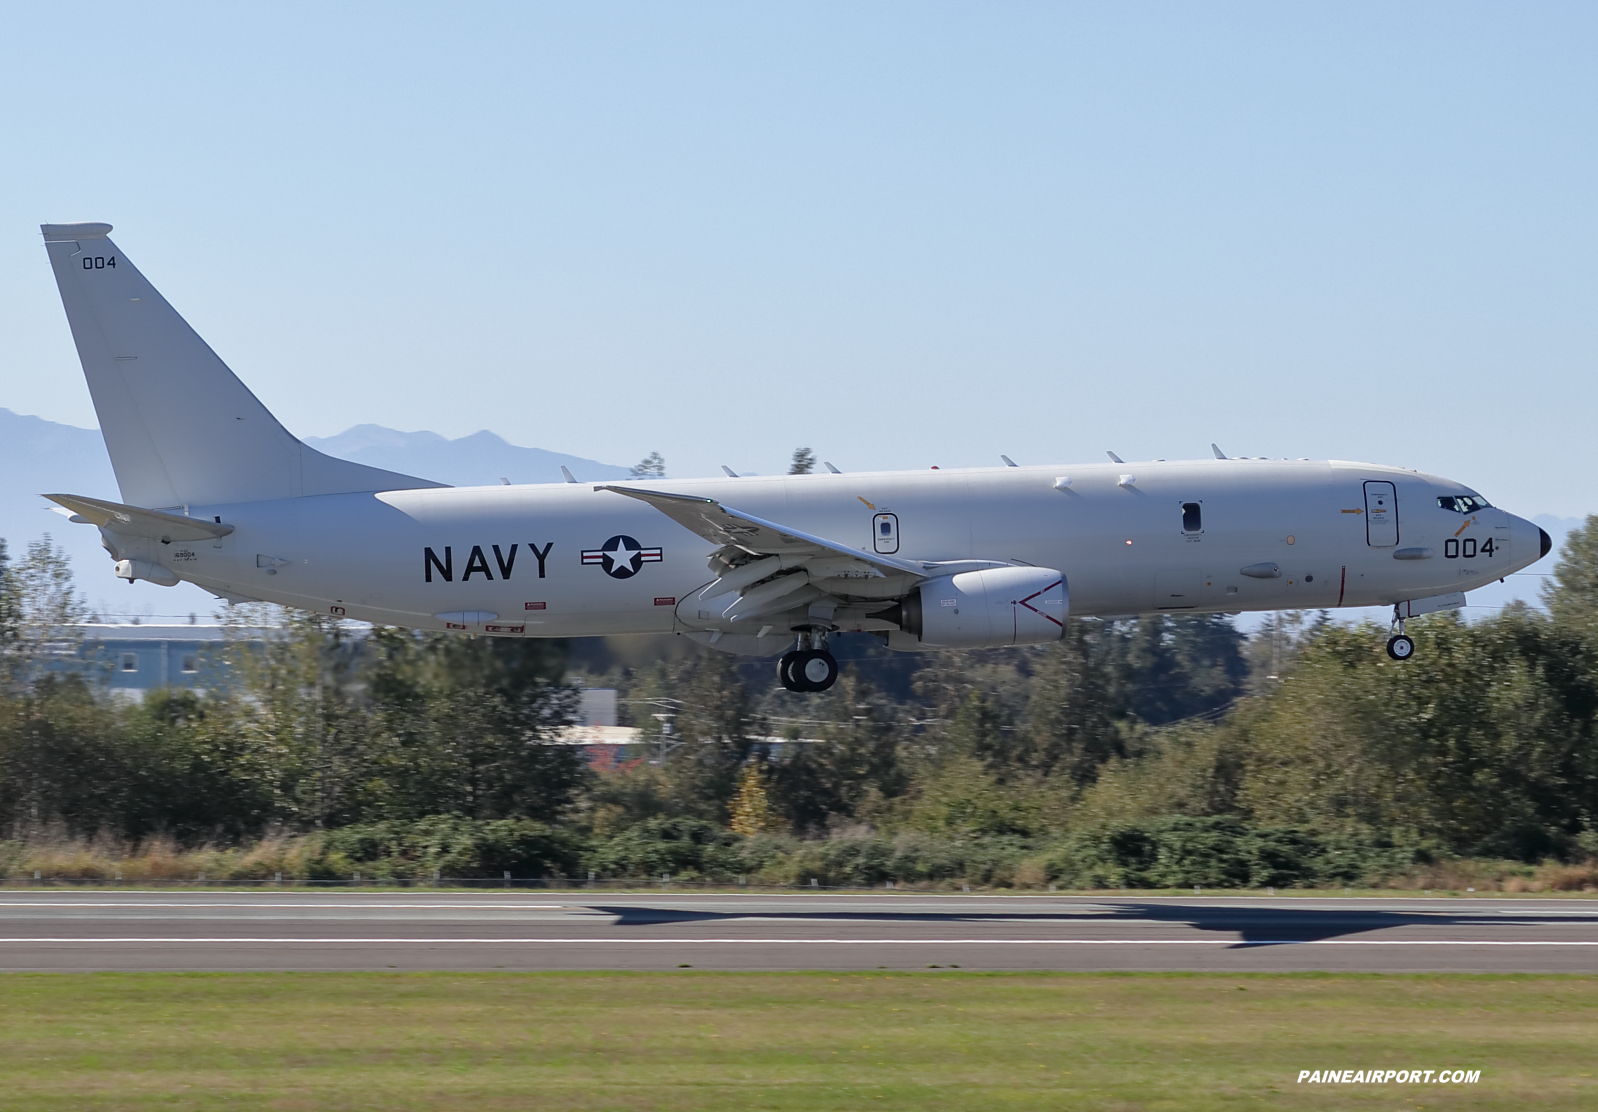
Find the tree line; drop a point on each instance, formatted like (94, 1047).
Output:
(1138, 752)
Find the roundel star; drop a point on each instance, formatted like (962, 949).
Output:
(623, 557)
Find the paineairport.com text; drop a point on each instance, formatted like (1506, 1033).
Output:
(1383, 1077)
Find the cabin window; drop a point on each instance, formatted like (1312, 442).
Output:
(1463, 503)
(130, 662)
(189, 664)
(1192, 517)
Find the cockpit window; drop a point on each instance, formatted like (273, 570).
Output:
(1463, 503)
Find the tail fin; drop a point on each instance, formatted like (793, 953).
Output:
(180, 427)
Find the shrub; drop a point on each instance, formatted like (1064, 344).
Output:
(1220, 852)
(451, 846)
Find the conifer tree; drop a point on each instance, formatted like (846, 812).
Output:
(652, 466)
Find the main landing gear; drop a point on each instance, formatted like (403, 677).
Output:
(808, 667)
(1399, 646)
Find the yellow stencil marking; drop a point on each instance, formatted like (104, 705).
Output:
(1353, 511)
(869, 506)
(1469, 521)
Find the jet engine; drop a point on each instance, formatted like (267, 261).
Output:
(986, 609)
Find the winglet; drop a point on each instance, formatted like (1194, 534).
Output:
(566, 471)
(1114, 458)
(1218, 453)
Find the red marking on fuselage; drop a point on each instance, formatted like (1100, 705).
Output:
(1027, 602)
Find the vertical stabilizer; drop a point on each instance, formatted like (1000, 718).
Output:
(180, 427)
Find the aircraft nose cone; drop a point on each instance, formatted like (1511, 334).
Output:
(1548, 542)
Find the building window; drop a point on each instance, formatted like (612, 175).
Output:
(189, 665)
(130, 662)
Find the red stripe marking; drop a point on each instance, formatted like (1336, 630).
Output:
(1027, 602)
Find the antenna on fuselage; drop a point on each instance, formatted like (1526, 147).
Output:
(731, 474)
(1218, 453)
(566, 471)
(1114, 458)
(1008, 462)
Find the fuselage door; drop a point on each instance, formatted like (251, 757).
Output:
(885, 533)
(1381, 515)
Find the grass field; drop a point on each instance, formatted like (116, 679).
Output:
(690, 1040)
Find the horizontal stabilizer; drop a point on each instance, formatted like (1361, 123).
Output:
(135, 522)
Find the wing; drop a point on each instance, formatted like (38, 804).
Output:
(730, 528)
(773, 569)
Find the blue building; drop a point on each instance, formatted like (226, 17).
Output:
(135, 659)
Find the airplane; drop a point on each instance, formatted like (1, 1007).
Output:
(216, 492)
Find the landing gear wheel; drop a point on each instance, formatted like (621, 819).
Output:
(812, 670)
(1400, 647)
(785, 671)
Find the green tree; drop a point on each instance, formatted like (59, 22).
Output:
(855, 771)
(1484, 744)
(192, 770)
(60, 761)
(465, 727)
(1069, 727)
(1163, 669)
(717, 728)
(804, 462)
(1572, 595)
(41, 614)
(298, 707)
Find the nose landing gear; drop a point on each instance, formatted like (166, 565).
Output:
(809, 667)
(1399, 645)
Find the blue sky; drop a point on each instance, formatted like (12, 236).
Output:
(903, 234)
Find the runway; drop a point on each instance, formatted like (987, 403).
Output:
(517, 930)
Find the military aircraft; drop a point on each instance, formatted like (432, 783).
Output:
(217, 492)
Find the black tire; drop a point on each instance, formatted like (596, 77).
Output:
(814, 670)
(785, 674)
(1400, 647)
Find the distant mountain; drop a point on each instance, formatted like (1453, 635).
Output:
(481, 459)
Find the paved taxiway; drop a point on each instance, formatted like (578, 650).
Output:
(87, 929)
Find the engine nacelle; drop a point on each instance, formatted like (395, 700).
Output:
(988, 608)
